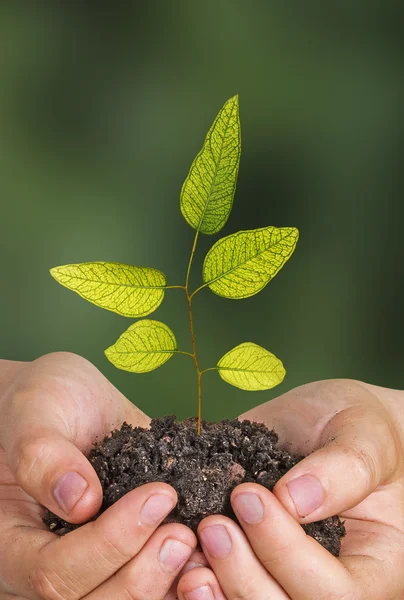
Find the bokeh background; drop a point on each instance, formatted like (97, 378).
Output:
(103, 106)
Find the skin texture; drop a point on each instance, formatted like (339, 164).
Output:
(54, 408)
(52, 411)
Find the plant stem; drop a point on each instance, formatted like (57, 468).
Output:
(198, 290)
(190, 261)
(210, 369)
(191, 327)
(198, 372)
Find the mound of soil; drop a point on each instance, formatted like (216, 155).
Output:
(203, 469)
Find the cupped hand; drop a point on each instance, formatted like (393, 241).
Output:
(52, 410)
(353, 434)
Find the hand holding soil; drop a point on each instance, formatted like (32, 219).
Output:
(53, 410)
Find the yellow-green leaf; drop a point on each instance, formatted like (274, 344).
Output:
(145, 346)
(251, 367)
(124, 289)
(242, 264)
(208, 191)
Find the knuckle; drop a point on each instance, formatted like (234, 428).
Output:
(249, 594)
(110, 553)
(31, 456)
(367, 464)
(47, 584)
(131, 591)
(65, 361)
(278, 556)
(137, 583)
(60, 356)
(350, 595)
(248, 587)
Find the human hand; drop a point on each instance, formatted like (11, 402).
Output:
(355, 434)
(52, 410)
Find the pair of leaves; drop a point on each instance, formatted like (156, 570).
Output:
(237, 266)
(148, 344)
(241, 264)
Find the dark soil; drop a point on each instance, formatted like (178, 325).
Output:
(203, 469)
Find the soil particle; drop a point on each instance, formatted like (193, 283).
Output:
(203, 469)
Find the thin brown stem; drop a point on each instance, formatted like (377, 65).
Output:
(198, 289)
(184, 353)
(210, 369)
(198, 372)
(191, 327)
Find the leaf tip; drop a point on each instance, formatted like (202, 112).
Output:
(108, 352)
(53, 272)
(234, 100)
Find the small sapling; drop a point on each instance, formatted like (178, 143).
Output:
(237, 266)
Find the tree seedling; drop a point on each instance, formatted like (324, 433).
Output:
(237, 266)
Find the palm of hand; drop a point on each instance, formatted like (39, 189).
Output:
(52, 409)
(356, 434)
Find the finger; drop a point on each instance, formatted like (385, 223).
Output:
(234, 563)
(351, 438)
(359, 455)
(43, 566)
(59, 406)
(200, 584)
(69, 485)
(20, 546)
(302, 567)
(151, 573)
(197, 560)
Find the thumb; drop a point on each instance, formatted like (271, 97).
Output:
(53, 471)
(358, 454)
(53, 410)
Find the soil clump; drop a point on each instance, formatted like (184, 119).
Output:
(203, 469)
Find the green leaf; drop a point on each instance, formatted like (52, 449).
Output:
(208, 191)
(251, 367)
(124, 289)
(242, 264)
(145, 346)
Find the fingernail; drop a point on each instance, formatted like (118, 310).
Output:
(249, 507)
(156, 508)
(173, 554)
(190, 566)
(68, 490)
(202, 593)
(216, 541)
(307, 494)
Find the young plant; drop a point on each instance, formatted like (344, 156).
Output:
(237, 266)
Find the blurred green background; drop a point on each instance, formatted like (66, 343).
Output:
(103, 107)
